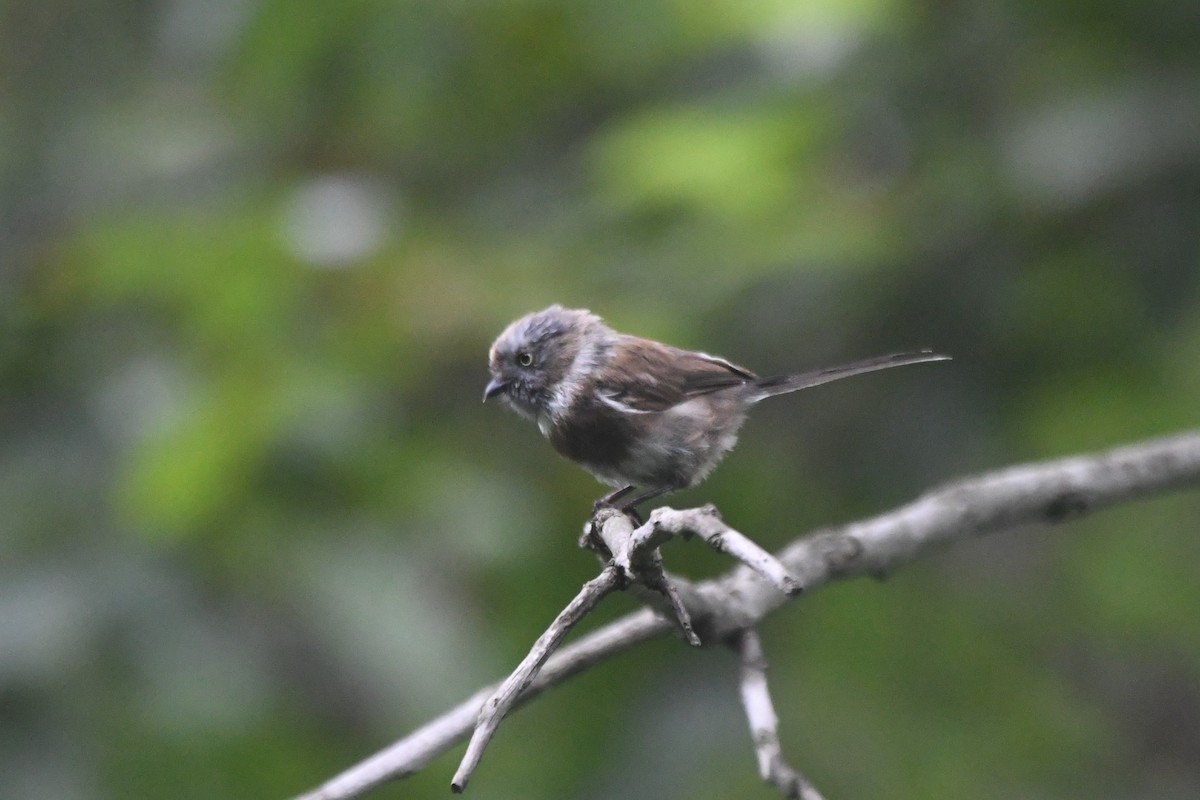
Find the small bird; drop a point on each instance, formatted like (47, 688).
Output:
(635, 412)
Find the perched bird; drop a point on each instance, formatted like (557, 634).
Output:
(632, 411)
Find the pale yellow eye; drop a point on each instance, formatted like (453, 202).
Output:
(525, 359)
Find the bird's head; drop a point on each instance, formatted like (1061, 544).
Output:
(531, 361)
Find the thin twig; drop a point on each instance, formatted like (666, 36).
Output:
(612, 535)
(706, 523)
(656, 578)
(496, 708)
(764, 724)
(1050, 491)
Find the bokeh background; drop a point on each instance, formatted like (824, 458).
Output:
(255, 522)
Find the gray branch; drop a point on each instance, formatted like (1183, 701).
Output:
(706, 523)
(764, 724)
(1047, 492)
(496, 707)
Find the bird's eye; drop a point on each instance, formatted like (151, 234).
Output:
(525, 359)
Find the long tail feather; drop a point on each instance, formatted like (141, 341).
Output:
(781, 384)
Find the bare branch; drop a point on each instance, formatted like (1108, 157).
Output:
(410, 754)
(1047, 492)
(611, 534)
(764, 724)
(496, 708)
(659, 581)
(706, 523)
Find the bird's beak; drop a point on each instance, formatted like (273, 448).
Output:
(495, 386)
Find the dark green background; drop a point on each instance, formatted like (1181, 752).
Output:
(255, 522)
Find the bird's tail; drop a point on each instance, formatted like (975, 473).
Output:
(782, 384)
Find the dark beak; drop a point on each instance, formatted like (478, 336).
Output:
(495, 386)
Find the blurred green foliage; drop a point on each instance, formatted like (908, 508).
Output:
(257, 524)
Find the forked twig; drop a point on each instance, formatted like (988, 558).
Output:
(632, 558)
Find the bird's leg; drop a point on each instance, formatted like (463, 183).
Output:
(610, 500)
(649, 494)
(630, 506)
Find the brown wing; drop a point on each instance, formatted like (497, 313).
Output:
(648, 376)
